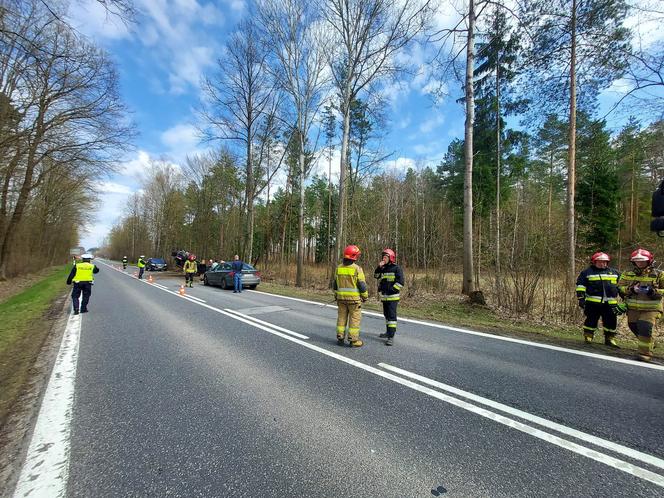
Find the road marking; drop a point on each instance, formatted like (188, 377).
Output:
(262, 310)
(588, 438)
(538, 433)
(486, 335)
(46, 467)
(160, 286)
(271, 325)
(194, 298)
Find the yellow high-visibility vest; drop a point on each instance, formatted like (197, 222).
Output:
(84, 272)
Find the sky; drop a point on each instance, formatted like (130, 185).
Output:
(162, 57)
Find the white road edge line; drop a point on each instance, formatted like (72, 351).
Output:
(486, 335)
(540, 434)
(194, 298)
(46, 467)
(588, 438)
(277, 327)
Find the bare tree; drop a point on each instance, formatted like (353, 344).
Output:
(367, 34)
(65, 109)
(298, 46)
(238, 98)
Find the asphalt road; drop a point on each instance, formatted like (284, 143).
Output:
(177, 397)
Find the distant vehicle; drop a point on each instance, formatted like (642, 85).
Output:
(222, 276)
(156, 264)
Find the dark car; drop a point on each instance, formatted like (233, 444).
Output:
(223, 274)
(156, 264)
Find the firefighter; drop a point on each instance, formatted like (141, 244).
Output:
(190, 269)
(124, 262)
(350, 291)
(81, 276)
(141, 266)
(390, 282)
(597, 292)
(642, 288)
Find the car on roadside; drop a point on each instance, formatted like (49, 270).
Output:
(156, 264)
(222, 276)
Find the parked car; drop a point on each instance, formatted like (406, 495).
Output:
(156, 264)
(223, 274)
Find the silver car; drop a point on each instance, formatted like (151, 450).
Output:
(222, 276)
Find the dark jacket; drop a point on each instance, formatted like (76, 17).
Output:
(236, 266)
(390, 281)
(598, 285)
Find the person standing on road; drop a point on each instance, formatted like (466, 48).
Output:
(237, 266)
(350, 291)
(597, 292)
(124, 262)
(81, 275)
(141, 266)
(190, 268)
(642, 288)
(390, 282)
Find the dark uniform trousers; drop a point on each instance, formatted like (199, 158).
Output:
(79, 288)
(595, 311)
(390, 314)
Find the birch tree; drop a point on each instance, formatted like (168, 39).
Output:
(238, 98)
(298, 41)
(367, 35)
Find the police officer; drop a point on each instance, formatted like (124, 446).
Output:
(124, 262)
(141, 266)
(390, 282)
(350, 291)
(642, 288)
(81, 275)
(597, 292)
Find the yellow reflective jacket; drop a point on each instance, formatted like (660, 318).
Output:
(652, 282)
(190, 267)
(84, 272)
(349, 284)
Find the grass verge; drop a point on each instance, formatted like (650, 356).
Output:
(24, 326)
(479, 318)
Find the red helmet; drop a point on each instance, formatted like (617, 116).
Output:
(352, 253)
(641, 255)
(391, 254)
(192, 257)
(599, 256)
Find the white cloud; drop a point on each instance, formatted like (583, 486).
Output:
(92, 19)
(134, 167)
(182, 140)
(432, 123)
(114, 188)
(399, 165)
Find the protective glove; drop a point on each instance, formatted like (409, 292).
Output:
(619, 309)
(582, 303)
(614, 309)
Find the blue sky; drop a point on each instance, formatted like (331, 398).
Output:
(162, 57)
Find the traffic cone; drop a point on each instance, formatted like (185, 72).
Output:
(150, 279)
(136, 274)
(182, 290)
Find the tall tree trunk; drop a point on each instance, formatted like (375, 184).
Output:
(571, 173)
(632, 209)
(498, 168)
(339, 243)
(329, 211)
(300, 237)
(249, 225)
(468, 281)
